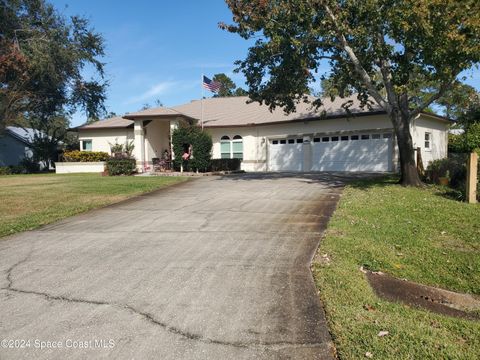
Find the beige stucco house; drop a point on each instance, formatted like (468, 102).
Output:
(326, 139)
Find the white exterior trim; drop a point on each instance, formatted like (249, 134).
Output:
(79, 167)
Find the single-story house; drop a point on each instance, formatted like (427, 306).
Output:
(326, 139)
(15, 145)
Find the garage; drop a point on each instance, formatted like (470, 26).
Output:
(368, 152)
(286, 154)
(358, 152)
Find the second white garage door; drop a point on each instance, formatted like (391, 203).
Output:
(362, 152)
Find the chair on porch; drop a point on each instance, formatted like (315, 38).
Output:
(161, 165)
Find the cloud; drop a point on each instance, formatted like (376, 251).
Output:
(156, 90)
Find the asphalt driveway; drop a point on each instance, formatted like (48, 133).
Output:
(216, 268)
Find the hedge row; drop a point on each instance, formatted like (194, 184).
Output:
(225, 164)
(26, 166)
(85, 156)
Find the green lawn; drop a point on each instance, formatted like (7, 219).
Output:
(416, 234)
(28, 201)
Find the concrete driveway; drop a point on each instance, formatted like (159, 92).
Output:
(217, 268)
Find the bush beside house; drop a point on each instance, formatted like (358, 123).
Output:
(225, 164)
(85, 156)
(118, 166)
(120, 163)
(455, 169)
(186, 139)
(26, 166)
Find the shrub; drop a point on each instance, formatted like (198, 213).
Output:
(122, 151)
(85, 156)
(17, 169)
(456, 143)
(455, 168)
(30, 165)
(44, 150)
(472, 137)
(116, 166)
(26, 166)
(452, 167)
(225, 164)
(201, 143)
(5, 170)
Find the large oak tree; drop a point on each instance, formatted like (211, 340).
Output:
(49, 64)
(386, 50)
(50, 67)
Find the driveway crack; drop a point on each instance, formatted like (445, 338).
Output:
(148, 317)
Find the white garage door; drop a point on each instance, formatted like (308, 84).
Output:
(362, 152)
(286, 155)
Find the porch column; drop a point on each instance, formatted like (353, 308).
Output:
(139, 141)
(174, 124)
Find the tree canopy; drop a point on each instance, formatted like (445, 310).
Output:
(44, 59)
(384, 50)
(228, 88)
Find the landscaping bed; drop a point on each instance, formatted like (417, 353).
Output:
(29, 201)
(416, 234)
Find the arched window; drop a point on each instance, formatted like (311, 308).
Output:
(237, 147)
(225, 147)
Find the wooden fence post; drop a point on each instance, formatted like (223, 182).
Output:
(472, 168)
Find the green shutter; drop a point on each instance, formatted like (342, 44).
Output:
(225, 149)
(237, 147)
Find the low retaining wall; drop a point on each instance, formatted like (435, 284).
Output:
(79, 167)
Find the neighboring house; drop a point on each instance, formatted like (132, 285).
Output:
(326, 139)
(15, 145)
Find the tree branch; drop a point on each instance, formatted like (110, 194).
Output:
(356, 63)
(435, 96)
(386, 73)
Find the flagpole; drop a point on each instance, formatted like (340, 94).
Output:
(201, 101)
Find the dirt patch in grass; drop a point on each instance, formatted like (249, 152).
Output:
(433, 299)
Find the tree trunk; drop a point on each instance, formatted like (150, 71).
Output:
(408, 167)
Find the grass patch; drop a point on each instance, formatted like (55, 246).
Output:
(29, 201)
(416, 234)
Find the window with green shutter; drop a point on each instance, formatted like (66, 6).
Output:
(237, 147)
(225, 147)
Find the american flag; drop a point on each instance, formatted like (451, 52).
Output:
(211, 85)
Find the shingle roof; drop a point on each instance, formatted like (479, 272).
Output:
(114, 122)
(235, 111)
(159, 111)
